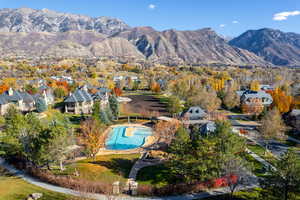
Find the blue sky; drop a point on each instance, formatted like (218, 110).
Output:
(227, 17)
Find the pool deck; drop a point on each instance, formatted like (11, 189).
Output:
(150, 140)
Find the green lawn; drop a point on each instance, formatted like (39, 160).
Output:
(256, 167)
(157, 175)
(260, 151)
(108, 168)
(12, 188)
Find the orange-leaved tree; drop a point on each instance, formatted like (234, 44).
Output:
(92, 136)
(3, 88)
(118, 91)
(281, 100)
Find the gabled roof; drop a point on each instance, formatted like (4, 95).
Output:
(3, 100)
(16, 96)
(98, 96)
(79, 96)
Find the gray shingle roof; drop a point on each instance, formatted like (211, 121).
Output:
(79, 96)
(16, 96)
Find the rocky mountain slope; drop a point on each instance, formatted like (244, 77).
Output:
(200, 46)
(30, 20)
(274, 46)
(30, 33)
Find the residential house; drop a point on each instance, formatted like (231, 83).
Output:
(207, 128)
(23, 101)
(82, 101)
(194, 113)
(249, 96)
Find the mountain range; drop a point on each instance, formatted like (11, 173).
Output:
(30, 33)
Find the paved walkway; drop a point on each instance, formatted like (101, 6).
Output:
(47, 186)
(139, 165)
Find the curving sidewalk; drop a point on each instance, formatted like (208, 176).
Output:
(47, 186)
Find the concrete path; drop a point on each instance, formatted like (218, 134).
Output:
(47, 186)
(139, 165)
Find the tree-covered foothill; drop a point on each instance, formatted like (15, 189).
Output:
(40, 143)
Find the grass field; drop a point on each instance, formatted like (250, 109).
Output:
(14, 188)
(157, 175)
(108, 168)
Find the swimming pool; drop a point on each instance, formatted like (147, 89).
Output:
(118, 140)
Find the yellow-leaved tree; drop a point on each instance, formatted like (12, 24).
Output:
(281, 100)
(254, 85)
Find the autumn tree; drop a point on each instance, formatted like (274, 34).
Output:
(272, 126)
(165, 130)
(206, 99)
(155, 87)
(3, 88)
(281, 101)
(92, 135)
(117, 91)
(231, 99)
(254, 85)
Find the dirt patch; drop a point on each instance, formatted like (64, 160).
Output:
(146, 105)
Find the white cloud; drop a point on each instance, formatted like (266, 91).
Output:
(222, 25)
(152, 6)
(284, 15)
(235, 22)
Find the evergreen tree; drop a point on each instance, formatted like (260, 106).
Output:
(174, 105)
(96, 111)
(284, 182)
(109, 113)
(114, 105)
(40, 105)
(104, 118)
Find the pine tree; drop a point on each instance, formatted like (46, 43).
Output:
(40, 105)
(104, 118)
(284, 182)
(114, 105)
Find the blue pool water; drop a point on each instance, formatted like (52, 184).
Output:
(117, 139)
